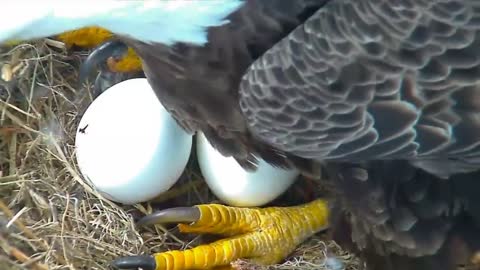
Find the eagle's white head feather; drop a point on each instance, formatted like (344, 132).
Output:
(163, 21)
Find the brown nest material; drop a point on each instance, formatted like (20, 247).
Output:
(50, 217)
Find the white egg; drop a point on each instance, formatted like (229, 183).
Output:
(237, 187)
(129, 146)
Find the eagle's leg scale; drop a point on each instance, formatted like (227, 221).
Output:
(263, 235)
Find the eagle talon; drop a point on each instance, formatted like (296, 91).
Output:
(135, 262)
(172, 215)
(263, 235)
(111, 48)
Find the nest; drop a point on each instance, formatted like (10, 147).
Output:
(50, 217)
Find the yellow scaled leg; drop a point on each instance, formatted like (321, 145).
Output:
(90, 37)
(264, 235)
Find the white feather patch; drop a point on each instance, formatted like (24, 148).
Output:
(163, 21)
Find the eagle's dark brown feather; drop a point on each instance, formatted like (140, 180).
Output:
(402, 217)
(368, 80)
(199, 84)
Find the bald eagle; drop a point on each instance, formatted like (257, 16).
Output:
(382, 94)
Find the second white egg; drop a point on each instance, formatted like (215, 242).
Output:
(237, 187)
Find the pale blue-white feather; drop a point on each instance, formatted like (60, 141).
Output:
(149, 21)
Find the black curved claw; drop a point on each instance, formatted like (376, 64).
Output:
(112, 48)
(171, 215)
(135, 262)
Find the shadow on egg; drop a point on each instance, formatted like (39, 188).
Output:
(128, 146)
(237, 187)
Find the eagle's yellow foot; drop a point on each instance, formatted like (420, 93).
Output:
(92, 37)
(264, 235)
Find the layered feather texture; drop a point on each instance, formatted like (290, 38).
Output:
(369, 80)
(404, 218)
